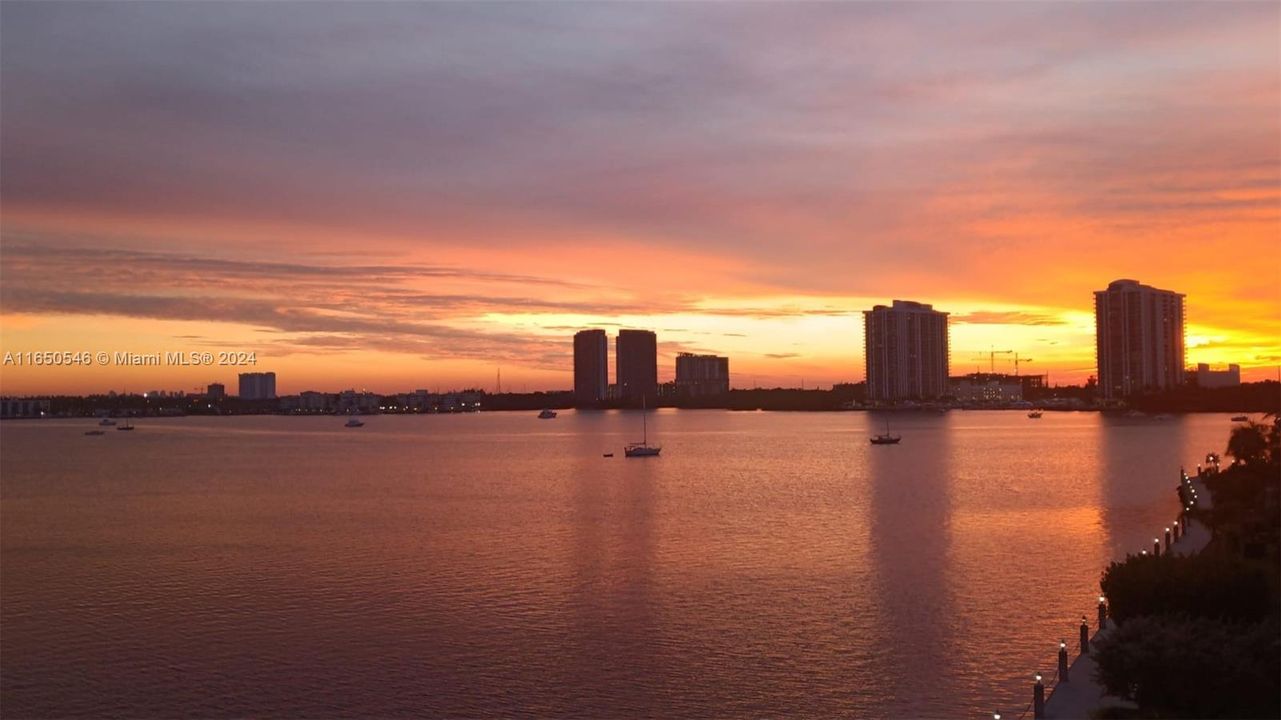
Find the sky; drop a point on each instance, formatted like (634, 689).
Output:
(409, 195)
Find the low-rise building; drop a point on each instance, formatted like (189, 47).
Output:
(986, 388)
(700, 375)
(12, 407)
(1207, 378)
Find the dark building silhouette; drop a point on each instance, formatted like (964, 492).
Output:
(216, 391)
(906, 352)
(1139, 335)
(698, 375)
(636, 358)
(591, 367)
(258, 386)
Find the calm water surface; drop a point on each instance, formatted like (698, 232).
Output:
(496, 564)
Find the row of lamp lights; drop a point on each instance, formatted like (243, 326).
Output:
(1039, 688)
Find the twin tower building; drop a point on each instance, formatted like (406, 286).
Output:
(636, 375)
(1139, 344)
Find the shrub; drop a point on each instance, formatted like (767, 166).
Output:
(1202, 586)
(1194, 667)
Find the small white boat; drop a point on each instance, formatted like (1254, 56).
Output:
(107, 422)
(354, 422)
(547, 414)
(642, 448)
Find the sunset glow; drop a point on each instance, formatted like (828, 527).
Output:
(395, 196)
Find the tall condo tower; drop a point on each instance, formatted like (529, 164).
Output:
(636, 355)
(591, 367)
(1139, 334)
(906, 351)
(258, 386)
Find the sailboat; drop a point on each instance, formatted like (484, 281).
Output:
(886, 438)
(642, 448)
(127, 426)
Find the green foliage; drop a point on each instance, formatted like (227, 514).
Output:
(1204, 586)
(1255, 444)
(1186, 667)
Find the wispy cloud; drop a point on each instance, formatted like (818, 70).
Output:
(1009, 317)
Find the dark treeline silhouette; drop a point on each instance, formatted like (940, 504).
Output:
(1247, 397)
(1256, 397)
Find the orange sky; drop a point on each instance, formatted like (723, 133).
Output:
(409, 195)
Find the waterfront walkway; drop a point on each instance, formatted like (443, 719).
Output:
(1082, 696)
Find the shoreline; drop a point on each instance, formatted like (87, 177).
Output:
(1130, 414)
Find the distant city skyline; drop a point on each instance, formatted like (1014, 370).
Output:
(404, 195)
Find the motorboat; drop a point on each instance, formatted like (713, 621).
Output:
(1035, 414)
(1241, 418)
(106, 422)
(547, 414)
(95, 432)
(642, 448)
(354, 421)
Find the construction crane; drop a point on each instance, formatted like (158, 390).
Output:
(1017, 360)
(991, 358)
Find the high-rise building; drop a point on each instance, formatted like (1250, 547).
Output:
(636, 358)
(701, 375)
(906, 352)
(258, 386)
(591, 367)
(1139, 333)
(216, 391)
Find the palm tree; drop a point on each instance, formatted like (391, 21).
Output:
(1248, 444)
